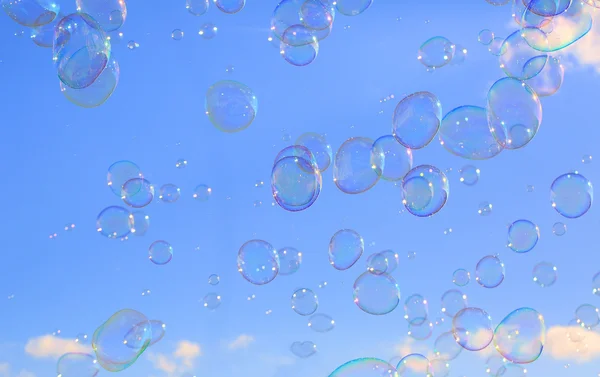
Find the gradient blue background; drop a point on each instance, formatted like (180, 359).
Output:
(54, 157)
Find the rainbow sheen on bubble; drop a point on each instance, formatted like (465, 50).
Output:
(43, 35)
(571, 195)
(99, 91)
(365, 367)
(110, 14)
(518, 59)
(436, 52)
(317, 144)
(426, 190)
(258, 262)
(299, 46)
(461, 277)
(520, 336)
(114, 222)
(345, 248)
(121, 172)
(295, 183)
(417, 119)
(137, 192)
(355, 168)
(31, 13)
(230, 106)
(489, 272)
(523, 235)
(472, 329)
(321, 323)
(289, 13)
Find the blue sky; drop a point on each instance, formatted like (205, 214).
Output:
(55, 157)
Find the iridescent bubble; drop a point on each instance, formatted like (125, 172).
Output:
(472, 329)
(230, 6)
(303, 349)
(436, 52)
(137, 192)
(177, 34)
(416, 120)
(520, 336)
(465, 133)
(81, 50)
(550, 78)
(469, 175)
(43, 35)
(290, 260)
(495, 47)
(296, 151)
(518, 59)
(426, 190)
(397, 159)
(514, 112)
(376, 294)
(211, 301)
(114, 222)
(317, 14)
(485, 209)
(416, 309)
(355, 168)
(587, 316)
(453, 301)
(231, 106)
(365, 367)
(523, 235)
(317, 145)
(158, 330)
(202, 193)
(302, 12)
(352, 7)
(559, 229)
(446, 347)
(489, 272)
(208, 30)
(304, 301)
(321, 323)
(596, 284)
(544, 274)
(214, 279)
(141, 223)
(160, 252)
(73, 364)
(115, 346)
(392, 260)
(547, 8)
(31, 13)
(571, 195)
(414, 365)
(258, 262)
(121, 172)
(485, 37)
(169, 193)
(377, 263)
(345, 248)
(197, 7)
(299, 46)
(461, 277)
(420, 331)
(99, 91)
(295, 183)
(110, 14)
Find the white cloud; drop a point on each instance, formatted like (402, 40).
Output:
(48, 346)
(242, 341)
(583, 52)
(182, 360)
(560, 346)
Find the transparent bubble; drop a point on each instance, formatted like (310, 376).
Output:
(494, 364)
(420, 331)
(181, 163)
(571, 195)
(258, 262)
(512, 370)
(99, 91)
(414, 365)
(439, 368)
(197, 7)
(317, 15)
(514, 112)
(495, 47)
(304, 301)
(460, 55)
(31, 13)
(110, 14)
(137, 192)
(160, 252)
(376, 294)
(436, 52)
(114, 344)
(465, 133)
(169, 193)
(321, 323)
(141, 223)
(498, 2)
(290, 260)
(296, 151)
(303, 349)
(211, 301)
(596, 284)
(544, 274)
(208, 30)
(426, 190)
(453, 301)
(461, 277)
(397, 159)
(417, 119)
(485, 37)
(231, 106)
(214, 279)
(305, 13)
(132, 45)
(230, 6)
(114, 222)
(485, 209)
(352, 7)
(469, 175)
(416, 309)
(202, 193)
(158, 330)
(377, 263)
(317, 145)
(295, 183)
(43, 36)
(355, 168)
(518, 59)
(345, 248)
(391, 260)
(74, 364)
(550, 78)
(177, 34)
(299, 46)
(446, 348)
(472, 329)
(587, 316)
(121, 172)
(520, 336)
(489, 272)
(523, 235)
(365, 367)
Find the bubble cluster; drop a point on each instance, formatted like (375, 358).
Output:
(426, 190)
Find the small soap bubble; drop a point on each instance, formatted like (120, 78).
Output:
(485, 209)
(530, 188)
(181, 163)
(211, 301)
(177, 34)
(208, 31)
(132, 45)
(230, 69)
(214, 279)
(559, 229)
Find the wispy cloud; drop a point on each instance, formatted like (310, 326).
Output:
(181, 360)
(48, 346)
(559, 346)
(242, 341)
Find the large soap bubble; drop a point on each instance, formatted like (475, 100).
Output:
(417, 119)
(571, 195)
(31, 13)
(520, 336)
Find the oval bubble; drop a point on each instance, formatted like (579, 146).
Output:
(352, 7)
(518, 59)
(31, 13)
(160, 252)
(397, 159)
(304, 302)
(416, 309)
(230, 6)
(321, 323)
(355, 169)
(345, 248)
(114, 222)
(197, 7)
(73, 364)
(121, 172)
(299, 46)
(453, 301)
(544, 274)
(417, 119)
(110, 14)
(137, 192)
(317, 145)
(296, 151)
(520, 336)
(549, 80)
(414, 365)
(43, 35)
(446, 347)
(290, 260)
(99, 91)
